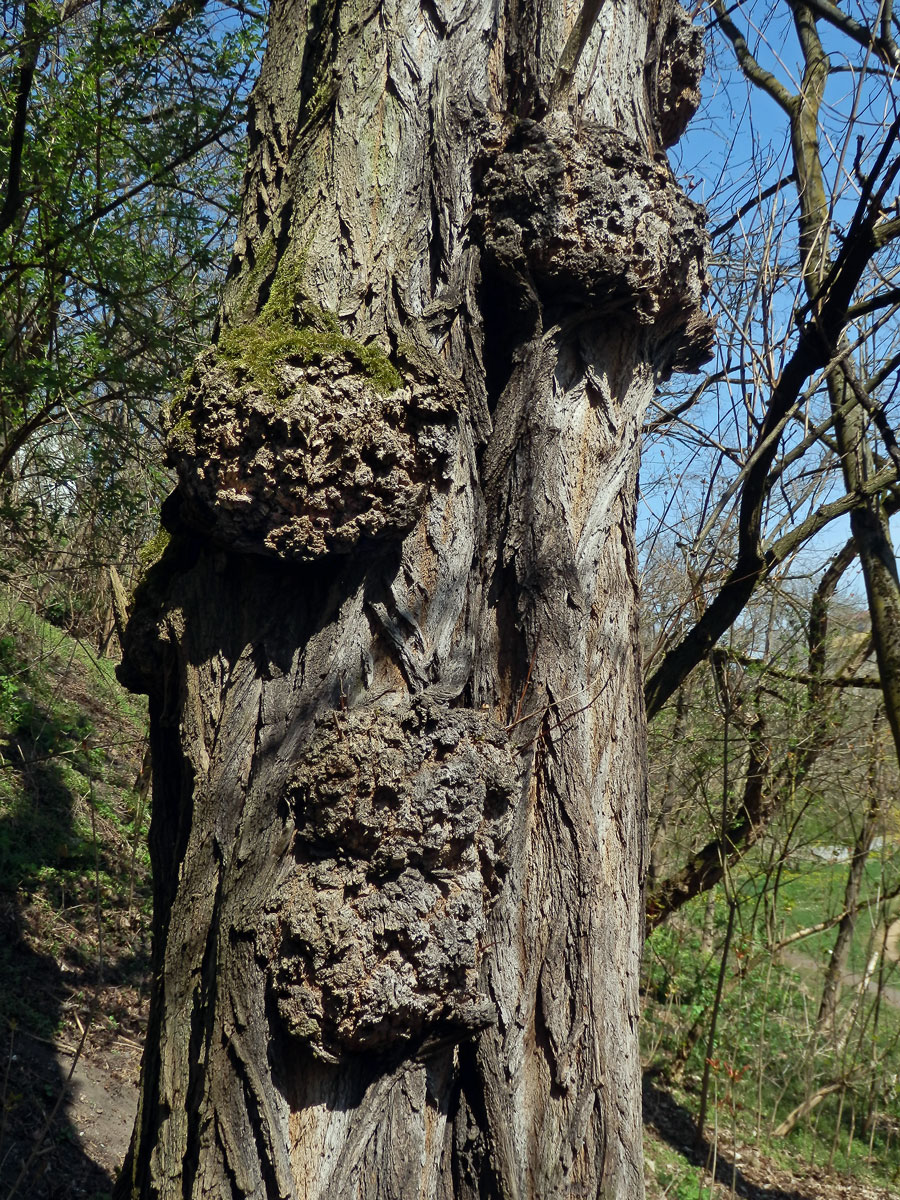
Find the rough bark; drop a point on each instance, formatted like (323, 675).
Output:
(391, 647)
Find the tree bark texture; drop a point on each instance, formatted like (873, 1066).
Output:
(391, 647)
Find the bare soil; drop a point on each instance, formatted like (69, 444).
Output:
(68, 1101)
(81, 1151)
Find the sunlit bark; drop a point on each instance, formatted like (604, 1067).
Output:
(391, 648)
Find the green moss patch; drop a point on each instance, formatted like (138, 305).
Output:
(260, 347)
(152, 551)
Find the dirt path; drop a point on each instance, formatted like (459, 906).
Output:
(809, 967)
(82, 1150)
(102, 1103)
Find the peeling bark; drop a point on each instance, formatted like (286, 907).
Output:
(391, 648)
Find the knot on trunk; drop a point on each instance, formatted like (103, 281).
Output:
(678, 76)
(377, 934)
(599, 228)
(297, 442)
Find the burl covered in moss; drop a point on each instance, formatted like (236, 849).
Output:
(293, 440)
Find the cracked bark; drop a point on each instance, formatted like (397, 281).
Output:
(391, 647)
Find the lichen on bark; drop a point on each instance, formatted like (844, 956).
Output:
(376, 935)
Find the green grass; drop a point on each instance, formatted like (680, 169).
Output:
(808, 892)
(768, 1057)
(673, 1175)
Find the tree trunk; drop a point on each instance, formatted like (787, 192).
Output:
(391, 647)
(869, 522)
(862, 847)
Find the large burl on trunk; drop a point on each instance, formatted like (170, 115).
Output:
(390, 648)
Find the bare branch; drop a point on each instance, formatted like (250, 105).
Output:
(28, 55)
(804, 1109)
(874, 409)
(835, 681)
(823, 516)
(754, 202)
(672, 414)
(574, 48)
(873, 304)
(882, 45)
(763, 79)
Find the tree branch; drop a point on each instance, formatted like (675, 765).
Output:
(882, 300)
(804, 1109)
(672, 414)
(752, 203)
(29, 50)
(764, 791)
(103, 210)
(836, 681)
(763, 79)
(706, 868)
(574, 48)
(884, 47)
(815, 522)
(816, 348)
(875, 410)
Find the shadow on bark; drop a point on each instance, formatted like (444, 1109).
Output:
(677, 1126)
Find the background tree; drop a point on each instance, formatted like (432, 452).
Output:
(779, 718)
(793, 428)
(790, 429)
(391, 647)
(773, 827)
(120, 156)
(807, 369)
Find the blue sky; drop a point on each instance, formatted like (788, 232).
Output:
(734, 147)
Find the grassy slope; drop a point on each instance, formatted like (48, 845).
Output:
(74, 884)
(767, 1057)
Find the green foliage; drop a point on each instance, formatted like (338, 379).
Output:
(769, 1056)
(72, 830)
(669, 1172)
(686, 1185)
(120, 163)
(829, 772)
